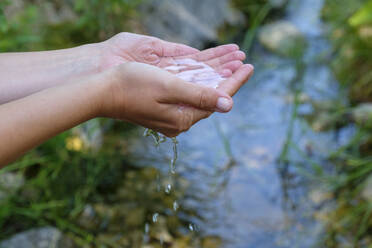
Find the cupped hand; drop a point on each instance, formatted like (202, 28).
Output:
(128, 47)
(156, 99)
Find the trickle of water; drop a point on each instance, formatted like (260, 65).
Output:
(194, 72)
(172, 165)
(158, 138)
(155, 217)
(175, 206)
(168, 188)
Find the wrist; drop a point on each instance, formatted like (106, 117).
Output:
(87, 59)
(103, 86)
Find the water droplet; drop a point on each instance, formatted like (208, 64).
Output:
(175, 205)
(147, 228)
(191, 227)
(168, 188)
(161, 241)
(155, 217)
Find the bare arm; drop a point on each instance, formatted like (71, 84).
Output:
(28, 122)
(133, 92)
(22, 74)
(25, 73)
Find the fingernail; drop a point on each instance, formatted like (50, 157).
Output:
(251, 66)
(223, 104)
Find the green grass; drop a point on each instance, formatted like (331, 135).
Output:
(351, 219)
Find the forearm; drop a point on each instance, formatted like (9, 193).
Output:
(28, 122)
(22, 74)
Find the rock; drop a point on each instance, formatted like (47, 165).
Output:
(52, 13)
(192, 22)
(319, 196)
(10, 183)
(44, 237)
(302, 98)
(282, 38)
(367, 191)
(135, 218)
(87, 218)
(362, 114)
(324, 122)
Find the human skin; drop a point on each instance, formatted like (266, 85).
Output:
(22, 74)
(134, 92)
(44, 94)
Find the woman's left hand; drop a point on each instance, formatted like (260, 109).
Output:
(128, 47)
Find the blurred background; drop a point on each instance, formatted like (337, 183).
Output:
(290, 166)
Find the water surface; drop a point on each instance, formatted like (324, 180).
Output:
(244, 185)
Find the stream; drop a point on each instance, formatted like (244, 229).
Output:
(245, 169)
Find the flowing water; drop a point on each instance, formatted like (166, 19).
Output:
(244, 170)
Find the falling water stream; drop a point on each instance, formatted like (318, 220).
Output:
(191, 71)
(239, 184)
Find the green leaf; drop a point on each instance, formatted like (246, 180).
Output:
(362, 16)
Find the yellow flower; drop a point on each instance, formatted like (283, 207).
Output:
(74, 143)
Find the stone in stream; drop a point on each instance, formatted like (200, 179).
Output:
(283, 38)
(323, 122)
(192, 22)
(362, 114)
(44, 237)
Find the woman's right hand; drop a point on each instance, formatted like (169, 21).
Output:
(156, 99)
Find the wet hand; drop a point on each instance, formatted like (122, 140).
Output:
(156, 99)
(128, 47)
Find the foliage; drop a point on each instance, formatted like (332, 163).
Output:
(352, 35)
(351, 220)
(60, 24)
(363, 16)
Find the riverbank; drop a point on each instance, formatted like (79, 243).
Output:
(350, 224)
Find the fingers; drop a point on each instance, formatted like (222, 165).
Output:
(233, 56)
(198, 96)
(226, 73)
(215, 52)
(229, 68)
(174, 49)
(186, 117)
(179, 69)
(233, 84)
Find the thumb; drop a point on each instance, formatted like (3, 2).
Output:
(198, 96)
